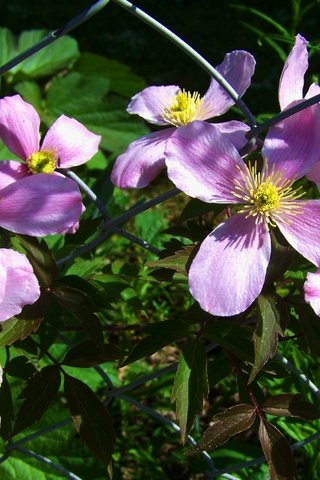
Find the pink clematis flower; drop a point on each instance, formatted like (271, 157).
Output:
(229, 270)
(18, 284)
(33, 201)
(312, 290)
(170, 106)
(67, 143)
(291, 87)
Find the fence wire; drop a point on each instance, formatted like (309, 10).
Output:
(112, 225)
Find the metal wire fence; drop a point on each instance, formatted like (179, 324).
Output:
(112, 224)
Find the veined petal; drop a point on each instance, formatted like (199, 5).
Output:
(19, 126)
(150, 103)
(71, 141)
(313, 90)
(142, 161)
(292, 76)
(203, 163)
(237, 69)
(235, 132)
(292, 145)
(40, 205)
(312, 290)
(302, 230)
(228, 272)
(11, 171)
(21, 287)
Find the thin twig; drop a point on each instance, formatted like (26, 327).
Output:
(314, 389)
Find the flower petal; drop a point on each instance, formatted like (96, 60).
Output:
(314, 90)
(228, 272)
(142, 161)
(40, 205)
(71, 141)
(19, 126)
(292, 76)
(235, 132)
(237, 69)
(312, 291)
(203, 163)
(302, 230)
(21, 286)
(293, 145)
(11, 171)
(150, 103)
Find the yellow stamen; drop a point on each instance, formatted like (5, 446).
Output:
(42, 162)
(183, 108)
(266, 195)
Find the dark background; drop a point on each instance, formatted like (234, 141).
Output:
(211, 27)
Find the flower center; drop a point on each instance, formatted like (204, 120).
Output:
(266, 195)
(183, 108)
(42, 162)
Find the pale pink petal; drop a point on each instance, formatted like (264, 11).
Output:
(235, 132)
(312, 291)
(11, 171)
(292, 145)
(237, 69)
(71, 141)
(314, 90)
(21, 286)
(292, 77)
(203, 163)
(151, 102)
(40, 205)
(19, 126)
(302, 230)
(228, 272)
(142, 161)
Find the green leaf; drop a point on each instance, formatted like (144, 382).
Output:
(39, 392)
(41, 259)
(231, 336)
(178, 262)
(7, 42)
(90, 418)
(190, 385)
(55, 57)
(164, 334)
(290, 405)
(31, 93)
(277, 452)
(195, 208)
(265, 337)
(79, 305)
(122, 80)
(218, 370)
(87, 355)
(227, 424)
(103, 114)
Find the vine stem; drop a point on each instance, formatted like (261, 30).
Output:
(199, 59)
(108, 226)
(105, 215)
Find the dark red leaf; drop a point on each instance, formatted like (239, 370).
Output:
(277, 452)
(227, 424)
(91, 418)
